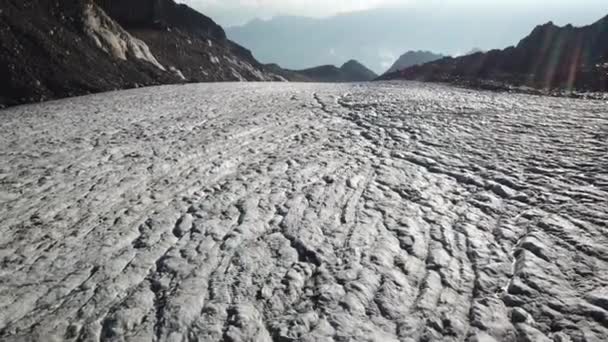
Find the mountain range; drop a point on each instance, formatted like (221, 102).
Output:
(549, 57)
(351, 71)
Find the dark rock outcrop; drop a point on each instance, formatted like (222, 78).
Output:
(351, 71)
(412, 58)
(52, 49)
(550, 57)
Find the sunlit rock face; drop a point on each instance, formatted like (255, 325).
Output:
(308, 212)
(113, 39)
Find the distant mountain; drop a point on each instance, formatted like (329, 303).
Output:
(356, 72)
(351, 71)
(377, 37)
(51, 49)
(412, 58)
(549, 57)
(290, 75)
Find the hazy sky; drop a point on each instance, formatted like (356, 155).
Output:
(235, 12)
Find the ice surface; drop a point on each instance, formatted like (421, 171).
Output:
(304, 212)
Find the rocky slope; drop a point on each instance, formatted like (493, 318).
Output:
(304, 212)
(351, 71)
(52, 49)
(187, 42)
(550, 57)
(412, 58)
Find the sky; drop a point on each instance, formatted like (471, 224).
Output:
(238, 12)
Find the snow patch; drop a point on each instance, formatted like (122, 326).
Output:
(238, 76)
(231, 60)
(113, 39)
(214, 59)
(247, 68)
(177, 72)
(254, 71)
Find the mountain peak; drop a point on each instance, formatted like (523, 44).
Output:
(411, 58)
(352, 63)
(358, 71)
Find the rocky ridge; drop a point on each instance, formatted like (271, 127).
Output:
(351, 71)
(551, 57)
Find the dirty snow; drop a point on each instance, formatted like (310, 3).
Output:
(304, 212)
